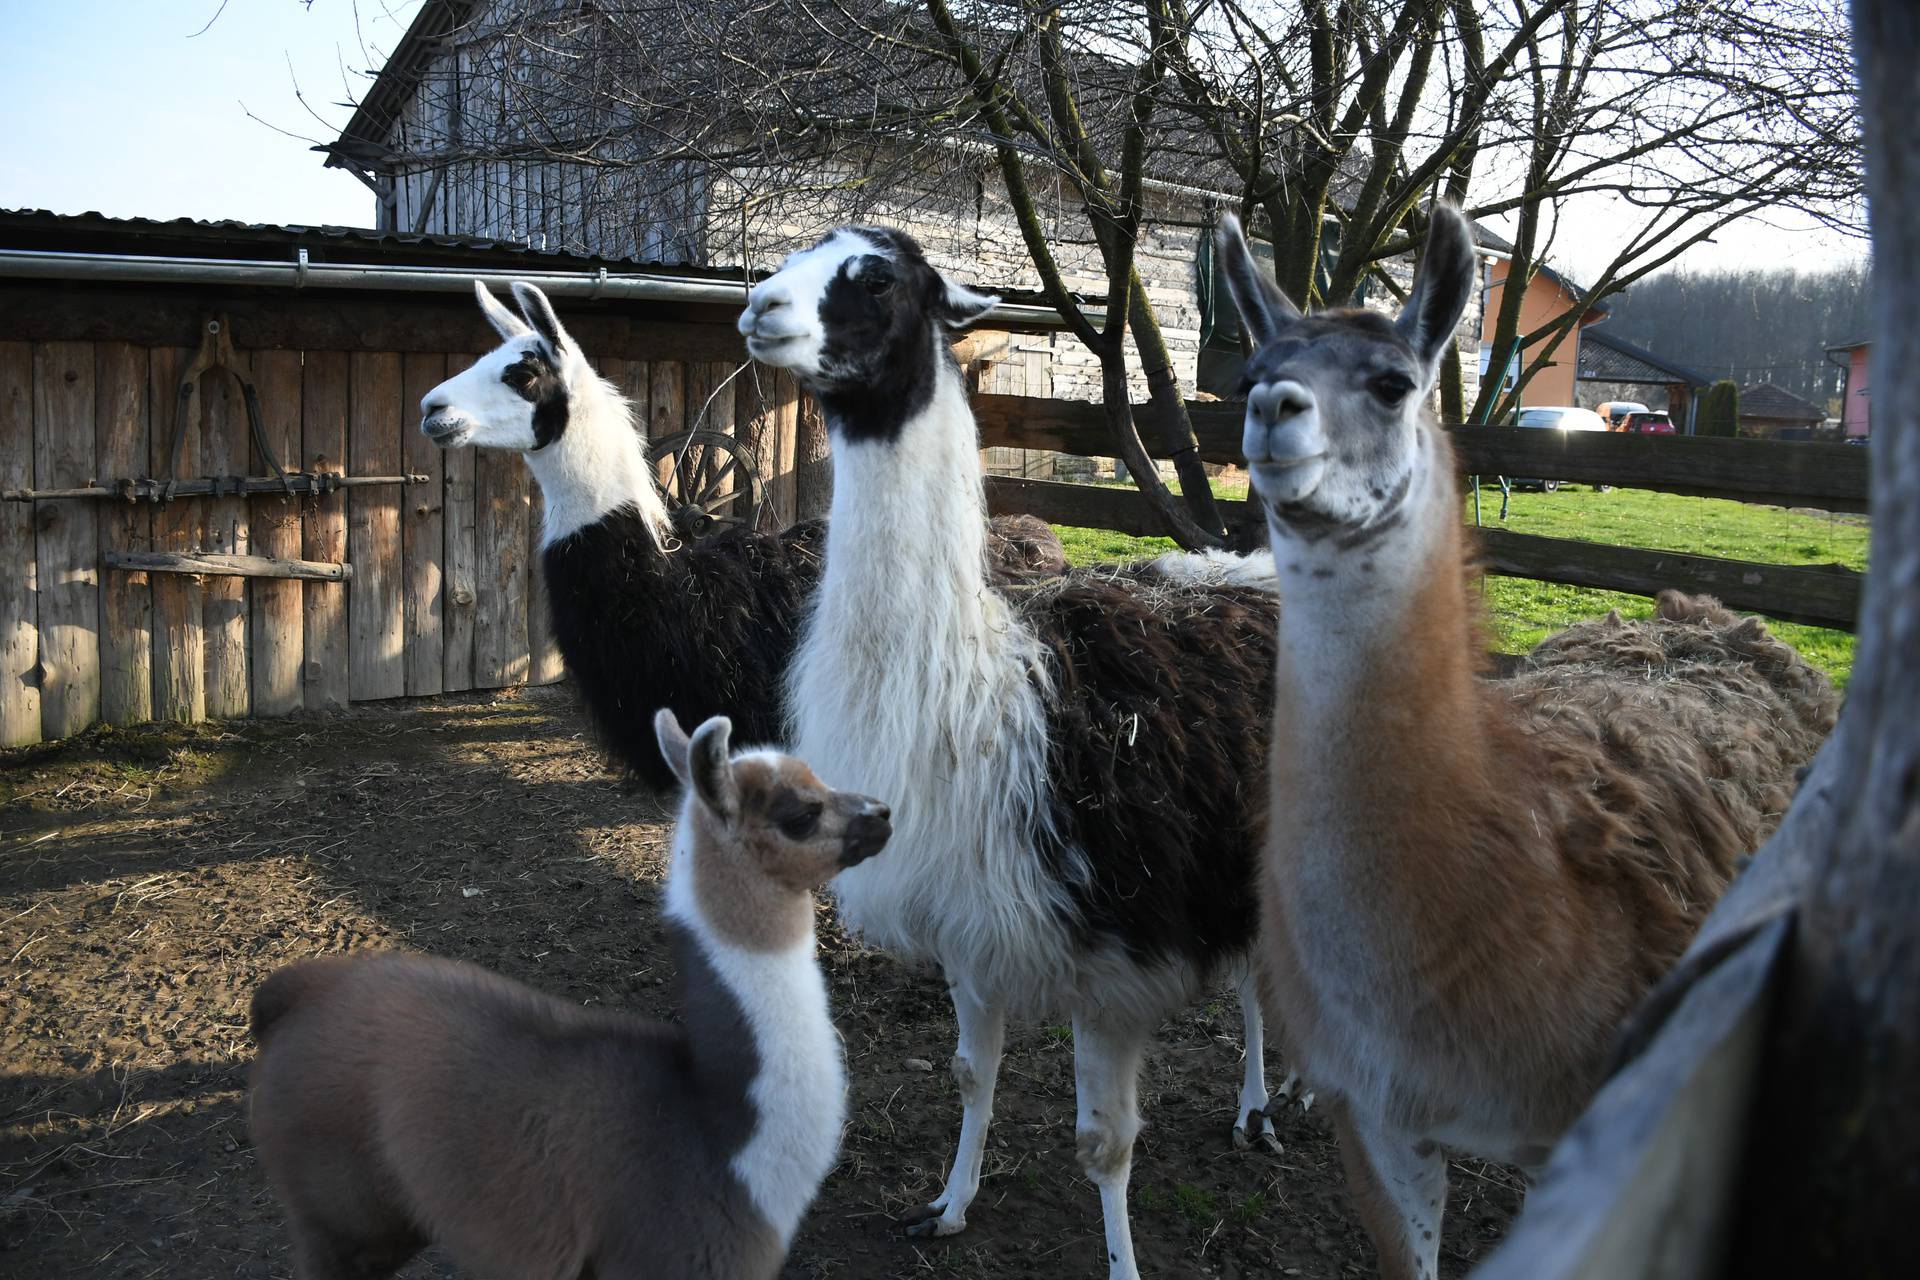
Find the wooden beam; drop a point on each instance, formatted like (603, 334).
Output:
(1830, 477)
(1821, 596)
(226, 566)
(1121, 509)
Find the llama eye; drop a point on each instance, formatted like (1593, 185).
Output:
(801, 825)
(799, 822)
(1391, 387)
(875, 275)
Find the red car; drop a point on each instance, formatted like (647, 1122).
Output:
(1649, 424)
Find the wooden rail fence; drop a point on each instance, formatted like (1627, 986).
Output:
(1822, 476)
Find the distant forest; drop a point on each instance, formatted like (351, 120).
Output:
(1751, 326)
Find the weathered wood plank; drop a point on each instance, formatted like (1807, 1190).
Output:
(375, 615)
(126, 599)
(19, 587)
(325, 673)
(666, 405)
(1830, 477)
(1642, 1185)
(225, 450)
(276, 319)
(1081, 505)
(227, 565)
(66, 538)
(717, 414)
(423, 530)
(179, 668)
(500, 616)
(460, 590)
(812, 459)
(278, 631)
(1821, 597)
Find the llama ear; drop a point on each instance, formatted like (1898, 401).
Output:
(1263, 310)
(673, 744)
(1441, 290)
(539, 313)
(504, 322)
(960, 306)
(712, 769)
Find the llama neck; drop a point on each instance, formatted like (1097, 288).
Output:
(596, 466)
(909, 512)
(776, 1000)
(1380, 714)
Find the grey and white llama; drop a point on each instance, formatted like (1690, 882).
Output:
(1075, 767)
(400, 1100)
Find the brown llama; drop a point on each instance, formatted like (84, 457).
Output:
(401, 1100)
(1478, 879)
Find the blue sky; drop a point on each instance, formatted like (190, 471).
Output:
(115, 105)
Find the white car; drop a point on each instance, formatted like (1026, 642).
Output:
(1565, 417)
(1561, 418)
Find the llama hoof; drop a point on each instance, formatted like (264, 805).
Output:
(1255, 1132)
(930, 1221)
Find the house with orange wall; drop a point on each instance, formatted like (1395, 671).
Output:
(1548, 295)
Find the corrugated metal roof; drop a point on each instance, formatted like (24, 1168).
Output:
(366, 246)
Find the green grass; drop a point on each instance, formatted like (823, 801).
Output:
(1522, 612)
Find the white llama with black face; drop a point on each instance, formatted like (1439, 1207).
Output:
(1069, 765)
(642, 621)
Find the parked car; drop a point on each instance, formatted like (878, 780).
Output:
(1648, 424)
(1557, 418)
(1565, 417)
(1614, 412)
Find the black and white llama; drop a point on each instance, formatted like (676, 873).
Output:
(642, 621)
(1075, 768)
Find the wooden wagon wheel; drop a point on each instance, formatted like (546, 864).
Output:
(708, 478)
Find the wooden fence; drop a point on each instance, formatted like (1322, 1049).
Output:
(1822, 476)
(442, 590)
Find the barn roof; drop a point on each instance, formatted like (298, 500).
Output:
(1768, 401)
(1606, 358)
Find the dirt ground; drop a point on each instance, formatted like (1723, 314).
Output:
(150, 878)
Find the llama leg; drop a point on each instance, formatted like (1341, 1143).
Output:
(1106, 1070)
(976, 1067)
(1399, 1184)
(1251, 1124)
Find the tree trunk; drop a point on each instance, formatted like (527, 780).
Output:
(1176, 429)
(812, 463)
(1834, 1165)
(1117, 398)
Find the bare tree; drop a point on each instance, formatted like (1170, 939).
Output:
(712, 131)
(1691, 118)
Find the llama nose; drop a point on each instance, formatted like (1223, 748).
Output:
(767, 297)
(1275, 402)
(432, 404)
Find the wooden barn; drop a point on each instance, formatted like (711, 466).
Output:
(379, 567)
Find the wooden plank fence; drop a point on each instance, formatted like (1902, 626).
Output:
(1826, 477)
(232, 606)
